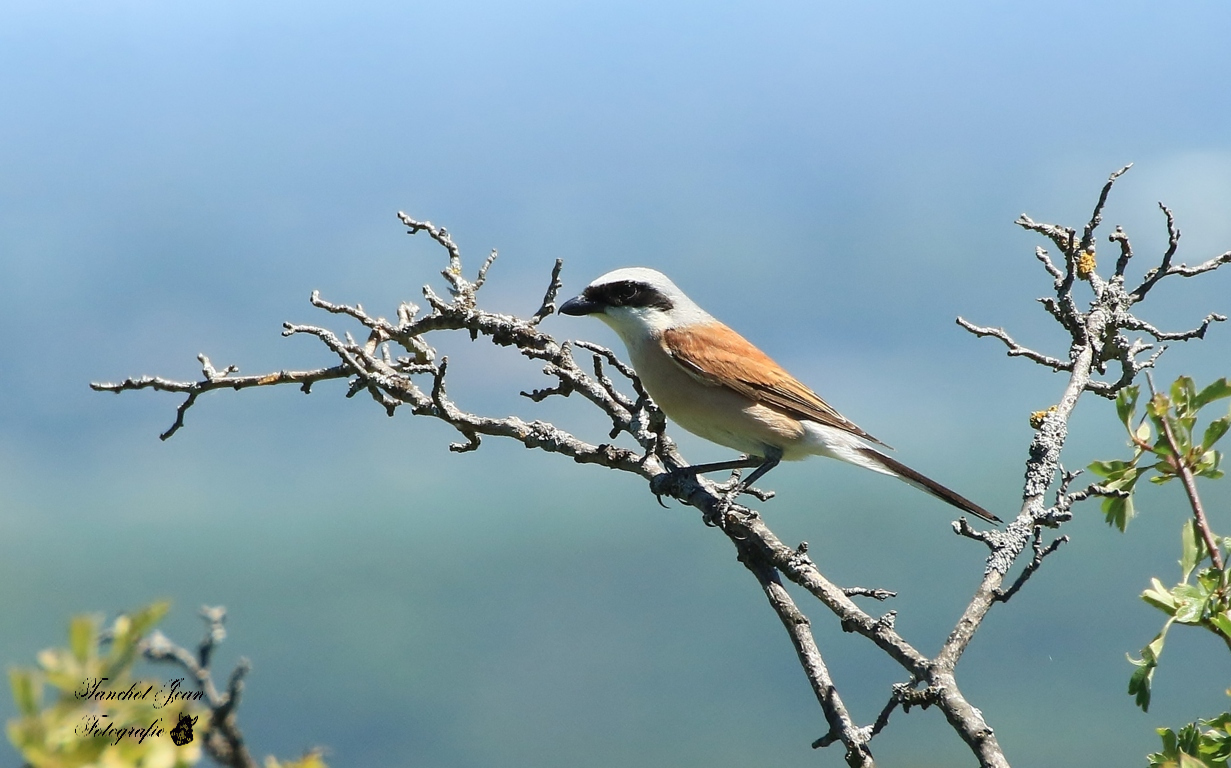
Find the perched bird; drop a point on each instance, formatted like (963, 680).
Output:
(716, 384)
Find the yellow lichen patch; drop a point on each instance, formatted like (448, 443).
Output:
(1086, 264)
(1036, 418)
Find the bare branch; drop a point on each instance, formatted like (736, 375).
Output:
(875, 594)
(549, 299)
(1063, 237)
(1126, 250)
(224, 741)
(487, 264)
(962, 527)
(799, 629)
(1040, 552)
(218, 381)
(1184, 270)
(1015, 349)
(454, 271)
(1096, 218)
(1040, 253)
(1134, 324)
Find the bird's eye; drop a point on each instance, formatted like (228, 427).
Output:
(625, 292)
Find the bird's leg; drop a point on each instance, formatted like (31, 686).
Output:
(771, 460)
(666, 483)
(743, 462)
(773, 457)
(662, 484)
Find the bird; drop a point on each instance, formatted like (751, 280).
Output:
(716, 384)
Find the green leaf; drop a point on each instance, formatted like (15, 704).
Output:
(1119, 511)
(127, 631)
(1216, 429)
(1126, 404)
(1189, 610)
(1188, 761)
(1108, 468)
(1183, 393)
(1125, 479)
(1215, 391)
(27, 692)
(82, 637)
(1192, 548)
(1188, 740)
(1222, 622)
(1139, 683)
(1167, 758)
(1207, 466)
(1182, 431)
(1160, 597)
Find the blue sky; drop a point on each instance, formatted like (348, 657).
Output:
(836, 181)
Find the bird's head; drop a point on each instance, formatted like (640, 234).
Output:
(636, 302)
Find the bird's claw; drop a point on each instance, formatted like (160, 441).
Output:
(668, 483)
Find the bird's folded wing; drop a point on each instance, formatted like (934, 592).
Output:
(718, 356)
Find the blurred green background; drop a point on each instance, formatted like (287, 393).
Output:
(837, 181)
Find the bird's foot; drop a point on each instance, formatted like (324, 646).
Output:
(728, 494)
(735, 487)
(669, 483)
(716, 516)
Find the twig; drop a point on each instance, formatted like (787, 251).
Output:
(1176, 461)
(224, 741)
(1040, 552)
(1015, 349)
(1096, 218)
(219, 381)
(549, 299)
(875, 594)
(799, 629)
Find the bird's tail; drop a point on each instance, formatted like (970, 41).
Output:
(908, 475)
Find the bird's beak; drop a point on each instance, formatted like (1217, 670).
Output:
(580, 305)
